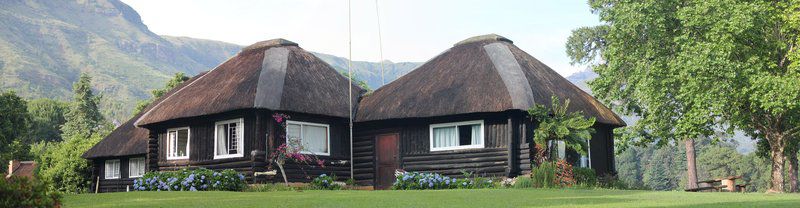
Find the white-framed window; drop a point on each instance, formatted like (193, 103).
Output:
(457, 135)
(136, 167)
(112, 169)
(315, 138)
(178, 143)
(229, 139)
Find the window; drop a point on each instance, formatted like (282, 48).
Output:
(112, 169)
(178, 143)
(314, 138)
(136, 167)
(228, 139)
(459, 135)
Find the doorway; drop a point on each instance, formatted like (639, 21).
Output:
(387, 152)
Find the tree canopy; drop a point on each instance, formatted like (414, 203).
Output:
(689, 67)
(176, 80)
(14, 125)
(83, 117)
(47, 116)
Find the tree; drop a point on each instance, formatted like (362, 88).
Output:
(633, 57)
(83, 117)
(47, 117)
(359, 82)
(629, 169)
(60, 163)
(14, 124)
(176, 80)
(556, 124)
(658, 174)
(689, 67)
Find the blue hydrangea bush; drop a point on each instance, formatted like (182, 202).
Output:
(191, 180)
(421, 181)
(325, 182)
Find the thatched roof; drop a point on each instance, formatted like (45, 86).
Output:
(274, 74)
(480, 74)
(127, 139)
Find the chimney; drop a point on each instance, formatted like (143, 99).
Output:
(13, 164)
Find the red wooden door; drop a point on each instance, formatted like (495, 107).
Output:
(387, 152)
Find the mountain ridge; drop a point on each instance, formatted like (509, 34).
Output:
(45, 45)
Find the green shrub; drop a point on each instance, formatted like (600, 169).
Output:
(325, 182)
(585, 177)
(419, 181)
(612, 182)
(191, 180)
(23, 192)
(544, 176)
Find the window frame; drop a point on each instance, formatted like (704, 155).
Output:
(188, 143)
(302, 123)
(456, 124)
(105, 169)
(130, 168)
(240, 131)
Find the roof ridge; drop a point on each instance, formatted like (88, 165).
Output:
(484, 38)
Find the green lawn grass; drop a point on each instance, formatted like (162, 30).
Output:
(492, 198)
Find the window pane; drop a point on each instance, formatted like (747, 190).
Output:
(292, 133)
(464, 135)
(233, 141)
(222, 141)
(476, 134)
(182, 142)
(315, 139)
(445, 137)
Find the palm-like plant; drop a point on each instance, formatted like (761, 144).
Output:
(556, 124)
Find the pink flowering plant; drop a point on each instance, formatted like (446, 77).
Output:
(292, 150)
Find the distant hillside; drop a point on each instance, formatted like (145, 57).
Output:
(45, 45)
(370, 72)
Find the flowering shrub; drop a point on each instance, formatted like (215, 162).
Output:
(325, 182)
(553, 174)
(508, 182)
(191, 180)
(292, 150)
(564, 175)
(419, 181)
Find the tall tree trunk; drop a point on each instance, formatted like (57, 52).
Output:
(691, 167)
(776, 145)
(792, 157)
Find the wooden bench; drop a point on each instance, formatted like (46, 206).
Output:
(707, 188)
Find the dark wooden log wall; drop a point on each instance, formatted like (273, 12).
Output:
(260, 139)
(337, 163)
(112, 185)
(602, 146)
(415, 154)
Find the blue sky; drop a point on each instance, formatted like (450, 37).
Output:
(413, 30)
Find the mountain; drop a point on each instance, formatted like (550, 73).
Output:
(45, 45)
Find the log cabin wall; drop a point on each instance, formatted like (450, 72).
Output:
(337, 163)
(602, 150)
(260, 140)
(112, 185)
(415, 154)
(201, 143)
